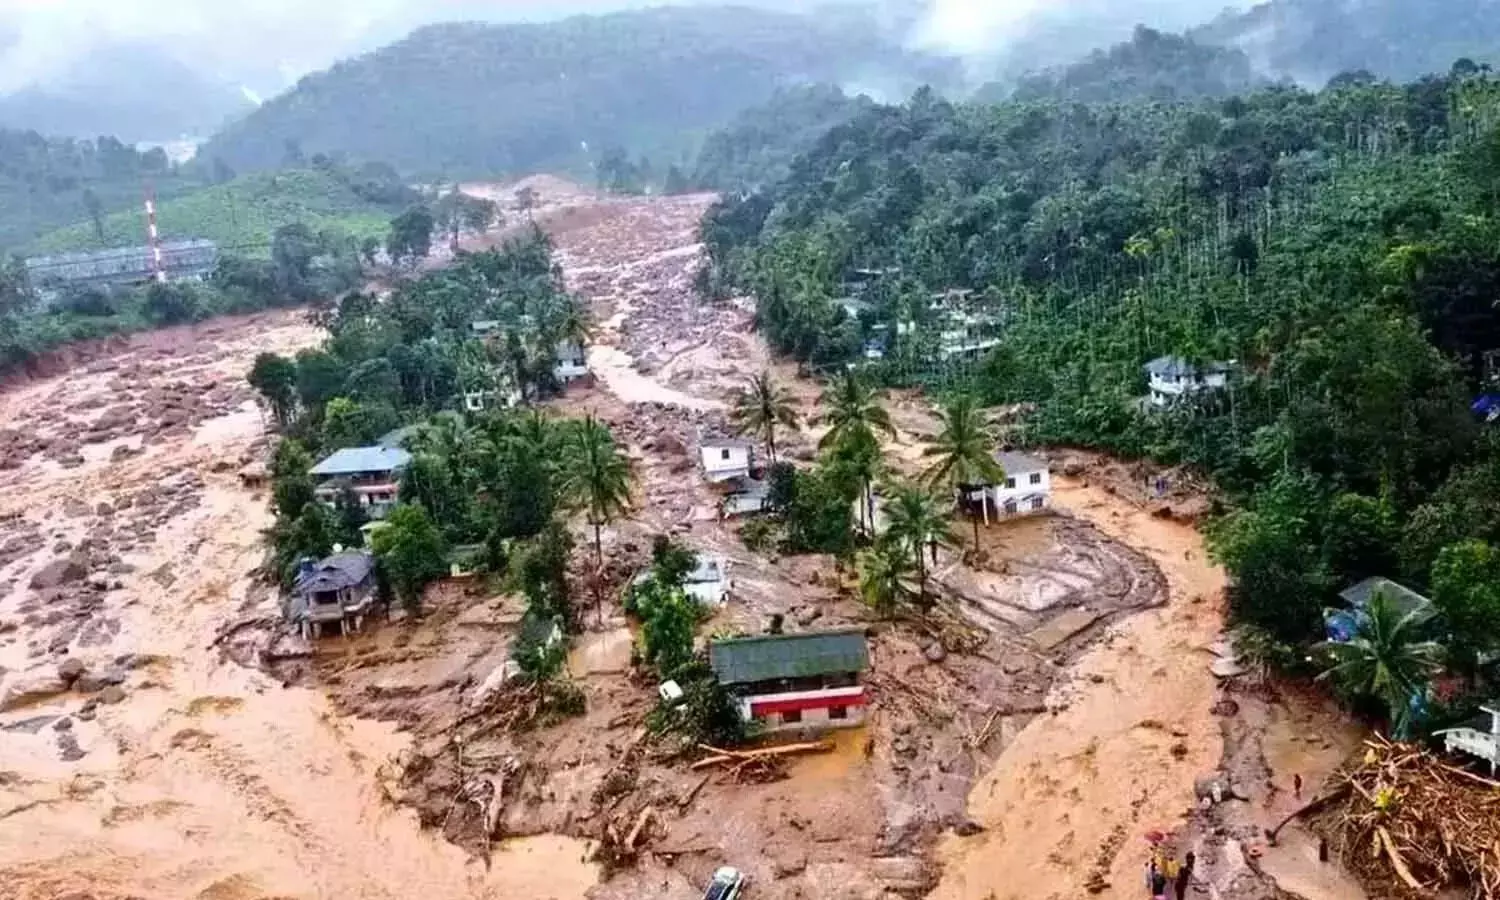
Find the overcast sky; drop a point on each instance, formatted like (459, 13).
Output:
(256, 41)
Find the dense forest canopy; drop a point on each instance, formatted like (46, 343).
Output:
(1339, 251)
(498, 98)
(758, 146)
(1150, 66)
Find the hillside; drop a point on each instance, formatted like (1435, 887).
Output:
(127, 90)
(757, 147)
(240, 214)
(48, 182)
(1313, 40)
(475, 98)
(1150, 66)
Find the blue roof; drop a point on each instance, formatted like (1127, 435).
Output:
(1486, 403)
(354, 460)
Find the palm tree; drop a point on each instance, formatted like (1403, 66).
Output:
(853, 409)
(762, 405)
(854, 417)
(962, 452)
(916, 522)
(1387, 659)
(884, 578)
(598, 482)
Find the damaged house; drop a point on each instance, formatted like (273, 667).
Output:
(791, 681)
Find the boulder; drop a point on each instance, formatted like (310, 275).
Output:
(59, 572)
(967, 828)
(70, 669)
(935, 652)
(112, 695)
(94, 682)
(24, 692)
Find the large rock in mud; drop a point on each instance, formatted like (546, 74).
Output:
(115, 418)
(25, 691)
(59, 572)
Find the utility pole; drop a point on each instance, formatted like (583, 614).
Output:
(158, 268)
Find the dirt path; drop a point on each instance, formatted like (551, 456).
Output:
(1069, 800)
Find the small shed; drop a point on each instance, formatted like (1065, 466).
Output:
(725, 459)
(1342, 624)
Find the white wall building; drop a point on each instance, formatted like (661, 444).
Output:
(572, 362)
(709, 583)
(725, 459)
(1027, 487)
(1171, 378)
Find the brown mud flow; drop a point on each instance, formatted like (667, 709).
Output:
(1061, 708)
(164, 772)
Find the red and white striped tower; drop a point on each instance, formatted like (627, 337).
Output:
(158, 267)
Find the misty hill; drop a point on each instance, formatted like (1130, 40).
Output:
(757, 147)
(493, 98)
(1313, 40)
(130, 91)
(1150, 66)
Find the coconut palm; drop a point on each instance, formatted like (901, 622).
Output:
(1388, 658)
(963, 451)
(917, 523)
(597, 481)
(761, 406)
(884, 578)
(854, 411)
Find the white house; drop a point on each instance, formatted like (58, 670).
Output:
(1171, 378)
(709, 583)
(1480, 737)
(1027, 487)
(724, 459)
(572, 362)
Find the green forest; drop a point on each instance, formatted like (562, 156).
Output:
(463, 99)
(1339, 251)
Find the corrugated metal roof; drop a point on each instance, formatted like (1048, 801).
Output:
(353, 460)
(121, 262)
(1359, 595)
(339, 571)
(1019, 463)
(774, 656)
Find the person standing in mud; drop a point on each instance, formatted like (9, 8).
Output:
(1185, 874)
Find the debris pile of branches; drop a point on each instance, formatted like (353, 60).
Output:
(757, 766)
(1436, 826)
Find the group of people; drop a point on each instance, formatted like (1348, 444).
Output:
(1166, 878)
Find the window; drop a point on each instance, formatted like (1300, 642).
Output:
(1037, 502)
(1010, 483)
(724, 454)
(1036, 477)
(838, 712)
(791, 717)
(1010, 507)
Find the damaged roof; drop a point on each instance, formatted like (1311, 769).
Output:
(337, 572)
(770, 657)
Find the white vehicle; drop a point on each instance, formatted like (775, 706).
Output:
(726, 885)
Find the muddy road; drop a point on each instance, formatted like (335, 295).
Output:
(135, 761)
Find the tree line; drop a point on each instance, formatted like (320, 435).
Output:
(1337, 248)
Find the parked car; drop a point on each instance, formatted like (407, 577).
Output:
(726, 884)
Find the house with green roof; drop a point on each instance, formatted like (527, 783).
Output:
(795, 681)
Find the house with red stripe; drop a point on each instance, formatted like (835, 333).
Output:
(793, 681)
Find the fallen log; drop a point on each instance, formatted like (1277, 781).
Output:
(1397, 862)
(692, 795)
(722, 756)
(640, 825)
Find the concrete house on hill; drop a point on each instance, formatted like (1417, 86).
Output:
(373, 472)
(1026, 488)
(792, 681)
(1171, 378)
